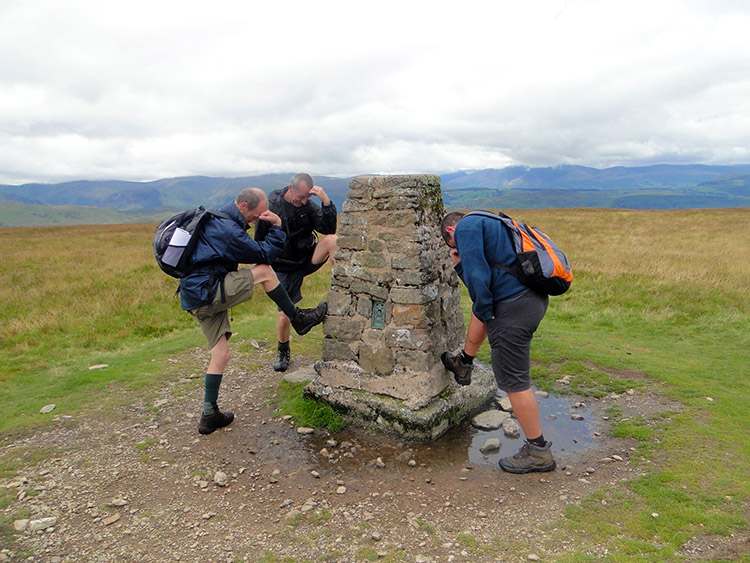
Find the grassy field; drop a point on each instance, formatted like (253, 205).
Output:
(660, 293)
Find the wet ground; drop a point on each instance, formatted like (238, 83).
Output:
(140, 485)
(568, 436)
(462, 444)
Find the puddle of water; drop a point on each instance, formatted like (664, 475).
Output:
(568, 436)
(462, 443)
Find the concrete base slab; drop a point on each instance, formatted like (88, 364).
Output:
(369, 409)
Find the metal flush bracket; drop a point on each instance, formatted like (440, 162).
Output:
(378, 315)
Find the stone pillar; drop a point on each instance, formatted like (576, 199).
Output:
(393, 308)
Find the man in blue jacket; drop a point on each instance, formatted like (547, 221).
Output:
(507, 313)
(304, 252)
(215, 285)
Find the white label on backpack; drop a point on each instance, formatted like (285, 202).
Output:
(180, 237)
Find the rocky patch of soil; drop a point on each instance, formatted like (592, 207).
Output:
(143, 485)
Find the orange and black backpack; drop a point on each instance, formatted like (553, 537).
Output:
(540, 264)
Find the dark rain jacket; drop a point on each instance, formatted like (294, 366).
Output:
(223, 244)
(300, 225)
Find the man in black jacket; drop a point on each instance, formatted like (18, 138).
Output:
(304, 253)
(216, 284)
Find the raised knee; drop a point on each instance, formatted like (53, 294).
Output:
(263, 272)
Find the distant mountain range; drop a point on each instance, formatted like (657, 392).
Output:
(514, 187)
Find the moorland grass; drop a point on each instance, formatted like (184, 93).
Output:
(659, 295)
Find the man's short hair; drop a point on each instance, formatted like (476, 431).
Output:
(301, 177)
(252, 196)
(449, 220)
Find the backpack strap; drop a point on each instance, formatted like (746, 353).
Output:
(217, 213)
(222, 291)
(489, 214)
(499, 216)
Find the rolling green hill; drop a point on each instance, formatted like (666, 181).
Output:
(514, 187)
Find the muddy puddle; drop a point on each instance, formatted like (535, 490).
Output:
(462, 444)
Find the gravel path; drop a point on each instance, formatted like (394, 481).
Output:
(142, 485)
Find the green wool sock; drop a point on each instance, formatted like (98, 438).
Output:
(211, 393)
(279, 296)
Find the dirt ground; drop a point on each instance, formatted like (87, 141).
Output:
(143, 485)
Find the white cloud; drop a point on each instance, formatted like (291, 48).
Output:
(141, 90)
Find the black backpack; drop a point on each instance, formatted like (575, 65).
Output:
(176, 237)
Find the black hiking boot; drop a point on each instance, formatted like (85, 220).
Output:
(213, 421)
(461, 371)
(529, 458)
(282, 360)
(305, 319)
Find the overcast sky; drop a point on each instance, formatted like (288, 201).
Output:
(139, 90)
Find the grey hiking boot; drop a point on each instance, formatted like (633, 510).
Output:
(282, 360)
(529, 458)
(305, 319)
(461, 371)
(213, 421)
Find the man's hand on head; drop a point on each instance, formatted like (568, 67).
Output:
(320, 193)
(271, 217)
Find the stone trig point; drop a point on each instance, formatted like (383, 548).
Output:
(393, 308)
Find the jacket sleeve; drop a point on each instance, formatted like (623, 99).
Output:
(261, 230)
(474, 270)
(325, 219)
(245, 250)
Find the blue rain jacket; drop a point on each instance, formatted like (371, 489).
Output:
(481, 241)
(222, 246)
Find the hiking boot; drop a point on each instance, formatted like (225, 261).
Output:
(282, 360)
(461, 371)
(305, 319)
(529, 458)
(213, 421)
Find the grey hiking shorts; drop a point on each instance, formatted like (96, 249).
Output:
(292, 280)
(509, 335)
(214, 319)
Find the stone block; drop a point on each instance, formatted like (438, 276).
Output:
(354, 272)
(351, 242)
(399, 219)
(412, 295)
(376, 358)
(414, 277)
(337, 350)
(341, 255)
(349, 231)
(407, 339)
(397, 203)
(339, 302)
(399, 262)
(410, 315)
(405, 248)
(371, 289)
(364, 307)
(416, 360)
(344, 328)
(370, 259)
(356, 205)
(352, 219)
